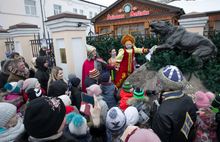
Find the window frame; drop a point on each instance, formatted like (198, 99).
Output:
(30, 8)
(74, 11)
(55, 10)
(80, 12)
(90, 14)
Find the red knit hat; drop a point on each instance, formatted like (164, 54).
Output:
(93, 74)
(69, 109)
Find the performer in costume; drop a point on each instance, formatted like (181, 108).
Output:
(124, 59)
(93, 61)
(111, 61)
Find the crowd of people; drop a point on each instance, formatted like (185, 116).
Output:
(38, 106)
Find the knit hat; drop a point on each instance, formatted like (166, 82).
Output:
(69, 109)
(66, 100)
(216, 101)
(75, 81)
(93, 89)
(57, 88)
(12, 87)
(71, 75)
(115, 120)
(126, 87)
(27, 84)
(77, 124)
(132, 115)
(138, 93)
(202, 100)
(171, 77)
(104, 77)
(44, 116)
(93, 74)
(7, 111)
(34, 93)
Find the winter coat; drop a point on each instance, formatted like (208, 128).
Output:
(98, 133)
(24, 137)
(32, 72)
(42, 73)
(14, 96)
(5, 73)
(124, 97)
(16, 75)
(169, 120)
(76, 99)
(89, 81)
(140, 104)
(108, 94)
(205, 126)
(81, 138)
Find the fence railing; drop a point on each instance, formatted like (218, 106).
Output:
(209, 33)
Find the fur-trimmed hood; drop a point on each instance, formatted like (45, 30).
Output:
(133, 100)
(5, 67)
(14, 102)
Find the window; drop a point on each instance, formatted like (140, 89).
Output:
(81, 12)
(74, 10)
(134, 30)
(96, 14)
(57, 9)
(90, 14)
(30, 7)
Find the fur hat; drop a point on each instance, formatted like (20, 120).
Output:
(216, 101)
(94, 74)
(115, 120)
(93, 89)
(75, 81)
(132, 115)
(138, 93)
(71, 75)
(202, 100)
(104, 77)
(44, 116)
(34, 93)
(27, 84)
(12, 87)
(66, 100)
(171, 77)
(7, 111)
(126, 87)
(77, 124)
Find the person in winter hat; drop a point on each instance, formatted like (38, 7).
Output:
(44, 121)
(116, 123)
(215, 108)
(126, 93)
(205, 123)
(95, 90)
(76, 97)
(42, 73)
(109, 90)
(177, 108)
(14, 95)
(57, 88)
(92, 78)
(132, 116)
(66, 100)
(6, 70)
(71, 75)
(34, 93)
(133, 134)
(11, 125)
(77, 127)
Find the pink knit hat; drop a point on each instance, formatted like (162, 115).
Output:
(27, 84)
(203, 100)
(93, 89)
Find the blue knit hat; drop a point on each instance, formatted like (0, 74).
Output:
(171, 77)
(12, 87)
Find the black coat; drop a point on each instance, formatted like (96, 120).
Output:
(3, 79)
(76, 99)
(42, 73)
(170, 117)
(23, 137)
(99, 133)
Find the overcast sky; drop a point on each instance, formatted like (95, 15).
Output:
(103, 2)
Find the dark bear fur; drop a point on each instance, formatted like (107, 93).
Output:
(173, 36)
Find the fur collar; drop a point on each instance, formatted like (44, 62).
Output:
(133, 100)
(14, 102)
(5, 67)
(19, 73)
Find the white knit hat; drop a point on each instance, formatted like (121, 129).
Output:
(7, 111)
(66, 100)
(132, 115)
(27, 84)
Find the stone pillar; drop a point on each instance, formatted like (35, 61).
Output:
(22, 33)
(69, 36)
(3, 35)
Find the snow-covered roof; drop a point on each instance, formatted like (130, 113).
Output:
(197, 6)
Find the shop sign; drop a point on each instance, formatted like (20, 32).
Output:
(115, 17)
(132, 14)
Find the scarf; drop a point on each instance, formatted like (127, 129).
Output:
(53, 137)
(19, 73)
(11, 133)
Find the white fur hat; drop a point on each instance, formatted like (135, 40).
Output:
(132, 115)
(66, 100)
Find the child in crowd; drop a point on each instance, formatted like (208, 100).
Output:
(95, 90)
(92, 78)
(109, 90)
(215, 107)
(58, 88)
(11, 125)
(72, 88)
(29, 83)
(111, 61)
(125, 94)
(14, 95)
(205, 123)
(132, 116)
(77, 127)
(76, 97)
(66, 100)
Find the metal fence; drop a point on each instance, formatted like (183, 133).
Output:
(9, 44)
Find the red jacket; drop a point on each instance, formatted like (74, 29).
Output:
(124, 97)
(26, 97)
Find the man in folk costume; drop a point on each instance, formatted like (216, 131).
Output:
(125, 57)
(93, 61)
